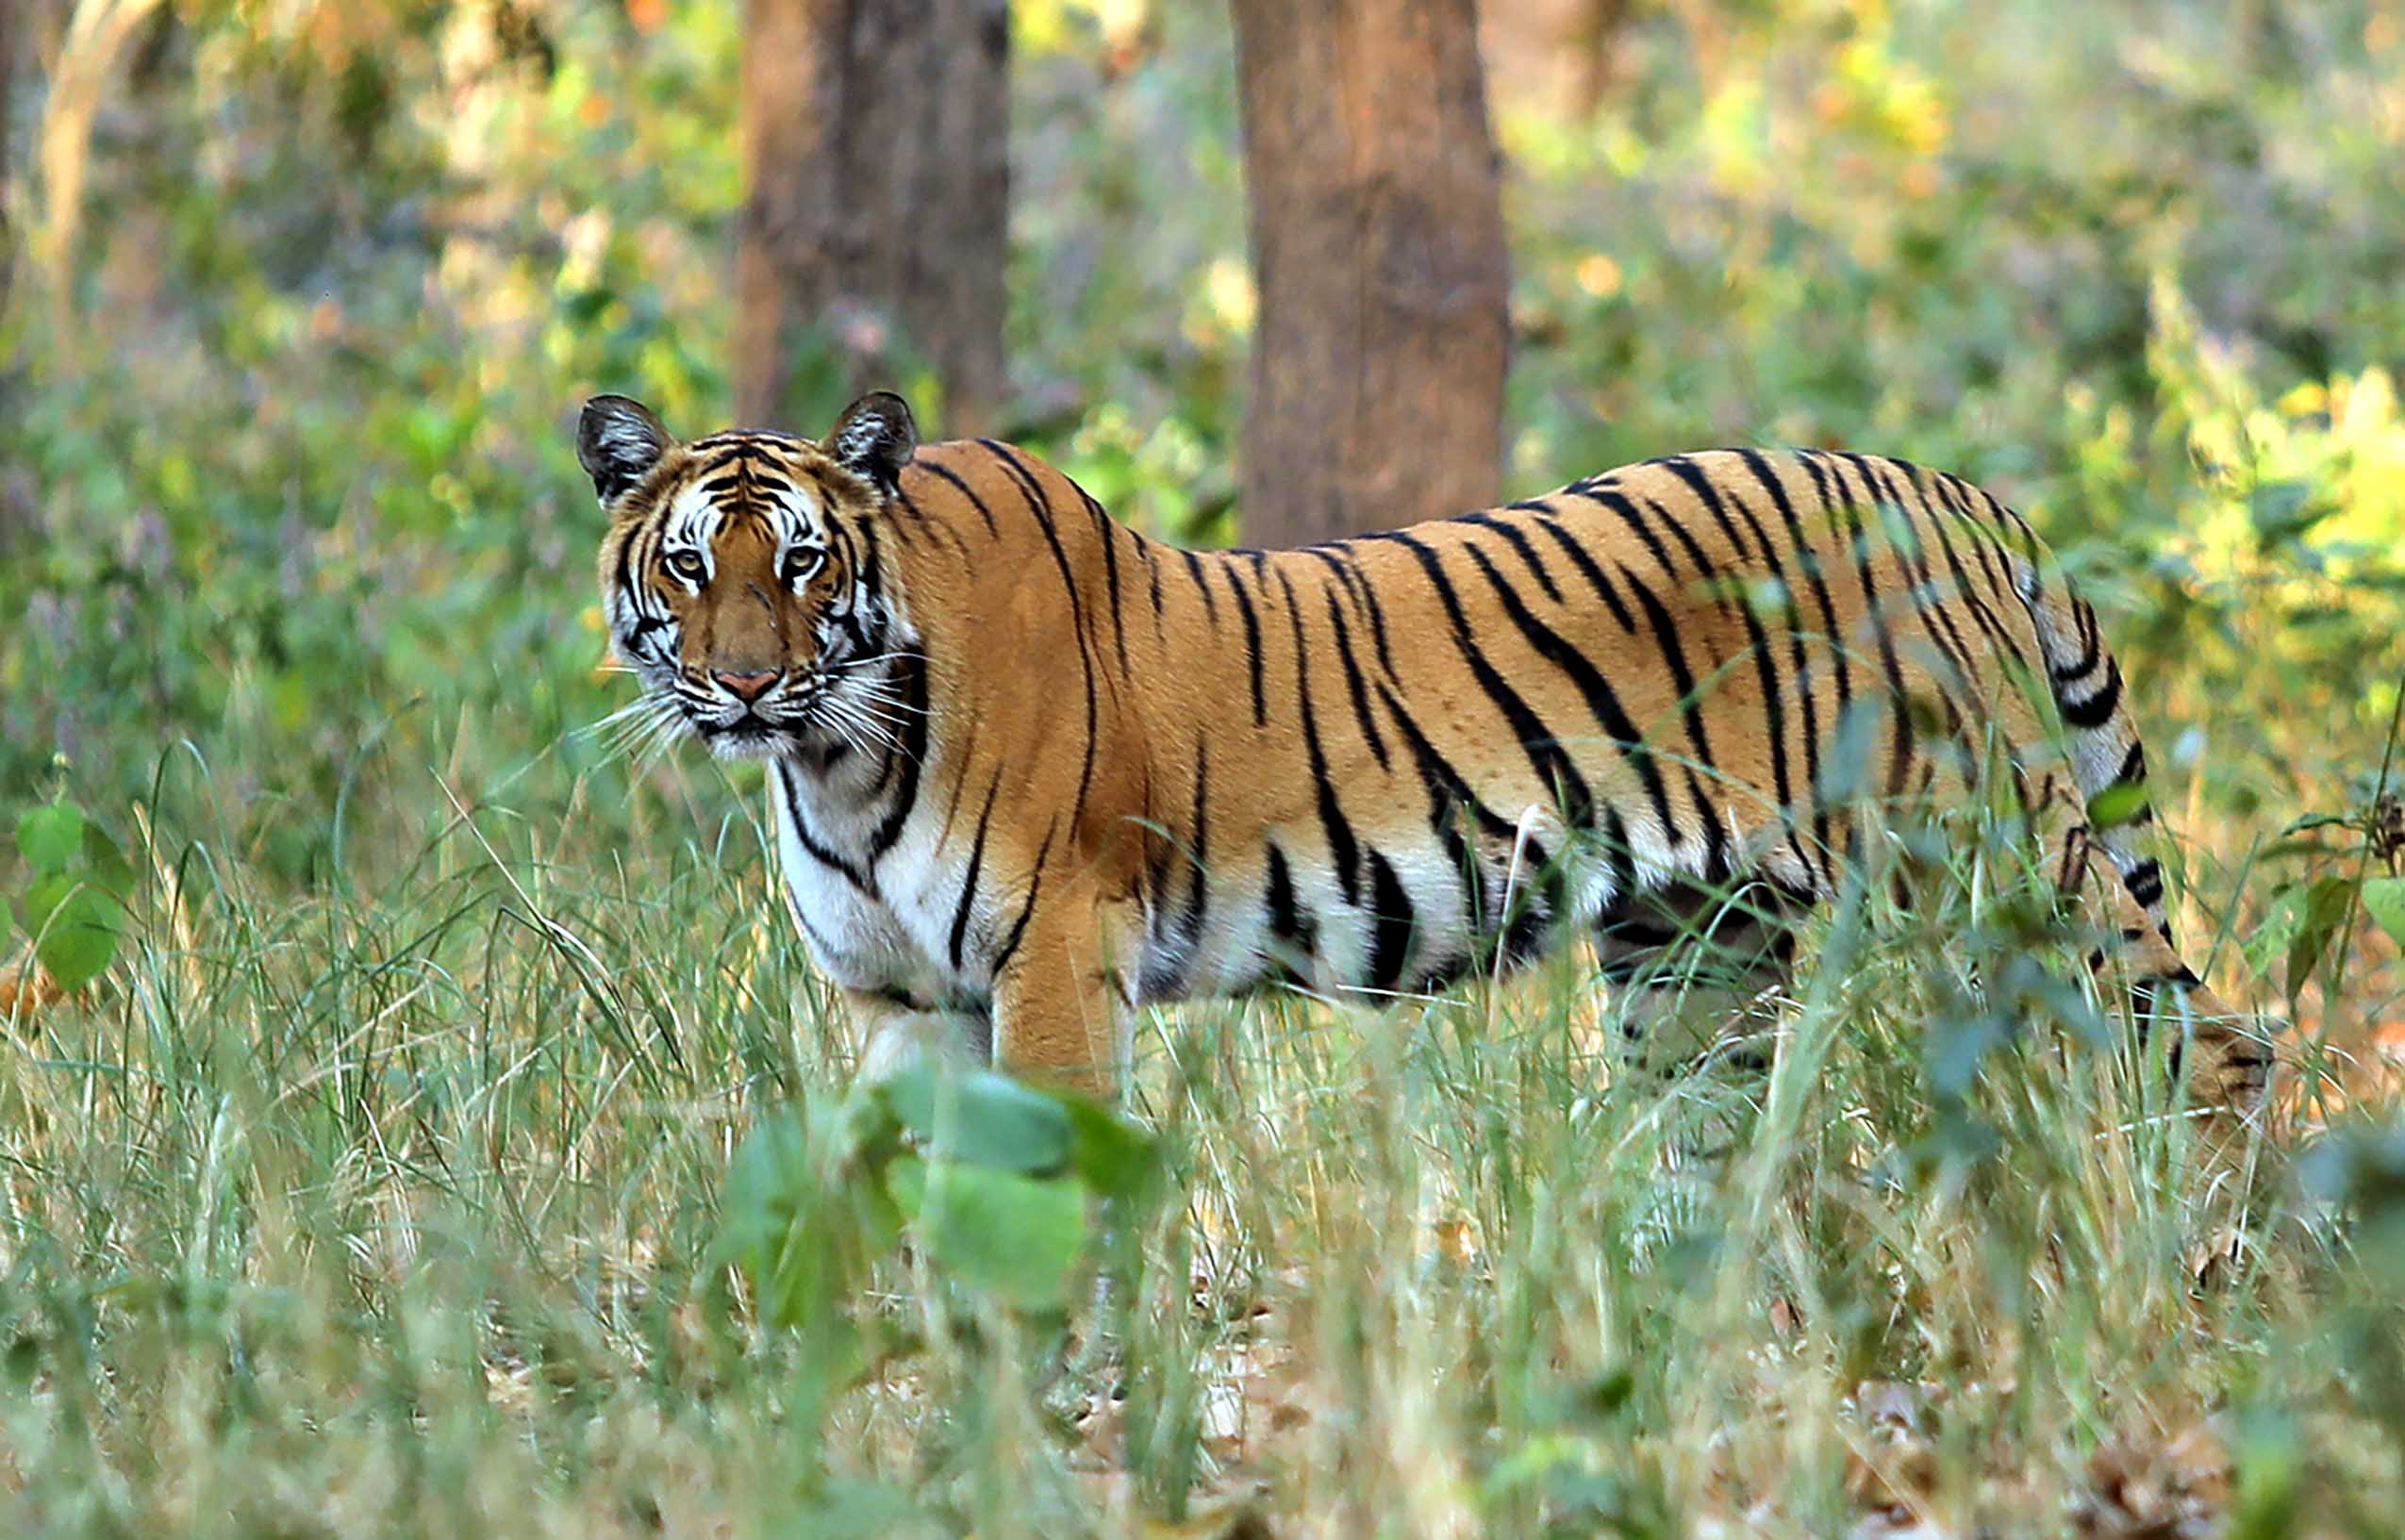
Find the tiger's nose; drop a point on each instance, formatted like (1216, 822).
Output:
(748, 687)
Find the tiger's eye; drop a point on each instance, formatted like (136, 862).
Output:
(802, 562)
(685, 564)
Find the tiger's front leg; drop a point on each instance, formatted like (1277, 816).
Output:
(895, 1034)
(1061, 1014)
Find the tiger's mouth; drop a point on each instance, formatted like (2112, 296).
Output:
(750, 737)
(801, 713)
(851, 703)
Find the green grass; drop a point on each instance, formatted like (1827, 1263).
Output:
(394, 1207)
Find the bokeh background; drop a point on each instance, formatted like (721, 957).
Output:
(305, 296)
(296, 605)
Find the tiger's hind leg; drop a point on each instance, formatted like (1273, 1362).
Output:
(1697, 977)
(1697, 974)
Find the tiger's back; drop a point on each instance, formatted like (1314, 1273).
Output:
(1367, 761)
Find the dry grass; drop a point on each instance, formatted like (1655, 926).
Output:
(390, 1207)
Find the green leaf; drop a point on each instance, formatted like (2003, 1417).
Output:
(2385, 900)
(772, 1221)
(75, 926)
(104, 864)
(2281, 510)
(2318, 915)
(2318, 821)
(2117, 805)
(1012, 1236)
(981, 1117)
(853, 1508)
(1110, 1154)
(51, 838)
(2269, 942)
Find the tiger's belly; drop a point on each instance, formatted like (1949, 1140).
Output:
(1410, 917)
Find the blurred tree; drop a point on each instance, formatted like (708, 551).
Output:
(16, 22)
(875, 147)
(1557, 55)
(1377, 235)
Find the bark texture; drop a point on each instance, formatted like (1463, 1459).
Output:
(875, 148)
(1553, 57)
(16, 21)
(1377, 229)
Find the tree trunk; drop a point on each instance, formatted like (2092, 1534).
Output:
(1558, 55)
(1378, 248)
(16, 26)
(873, 234)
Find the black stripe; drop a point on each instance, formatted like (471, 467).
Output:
(1926, 601)
(1841, 500)
(1251, 640)
(1923, 517)
(966, 758)
(1332, 819)
(2133, 765)
(1965, 594)
(945, 474)
(2097, 709)
(1194, 570)
(1518, 542)
(1673, 650)
(1290, 926)
(1774, 711)
(2091, 643)
(1594, 574)
(1628, 514)
(1438, 774)
(1687, 542)
(802, 836)
(1983, 542)
(2145, 882)
(625, 583)
(941, 526)
(1153, 583)
(1833, 632)
(867, 569)
(1367, 591)
(1199, 851)
(1622, 856)
(1601, 699)
(1716, 864)
(913, 750)
(976, 864)
(1361, 714)
(1036, 505)
(1107, 531)
(1337, 558)
(1391, 924)
(1553, 766)
(1034, 891)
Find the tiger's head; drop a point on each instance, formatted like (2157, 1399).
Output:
(741, 575)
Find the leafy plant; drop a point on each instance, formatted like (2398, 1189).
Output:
(990, 1178)
(74, 902)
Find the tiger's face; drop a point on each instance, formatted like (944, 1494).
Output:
(740, 578)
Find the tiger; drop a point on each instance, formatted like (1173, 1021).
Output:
(1030, 770)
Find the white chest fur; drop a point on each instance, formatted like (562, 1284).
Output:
(860, 938)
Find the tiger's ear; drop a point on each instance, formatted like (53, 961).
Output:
(874, 437)
(618, 442)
